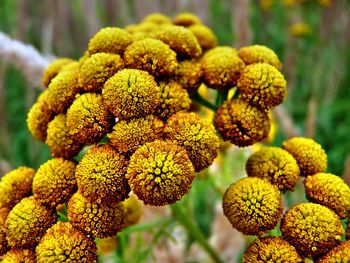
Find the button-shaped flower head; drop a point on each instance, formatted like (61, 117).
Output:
(189, 74)
(186, 19)
(259, 54)
(4, 211)
(157, 18)
(133, 211)
(205, 36)
(340, 253)
(19, 255)
(53, 68)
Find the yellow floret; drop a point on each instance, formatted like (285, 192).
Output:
(17, 255)
(133, 211)
(189, 74)
(259, 54)
(53, 68)
(4, 211)
(338, 254)
(186, 19)
(205, 36)
(157, 18)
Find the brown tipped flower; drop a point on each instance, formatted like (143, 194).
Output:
(133, 211)
(160, 173)
(27, 222)
(64, 243)
(275, 165)
(196, 135)
(252, 205)
(17, 255)
(311, 228)
(340, 253)
(189, 74)
(95, 218)
(53, 68)
(205, 36)
(4, 211)
(262, 85)
(241, 123)
(54, 182)
(271, 249)
(131, 93)
(310, 156)
(329, 190)
(151, 55)
(186, 19)
(16, 185)
(101, 175)
(157, 18)
(96, 69)
(127, 136)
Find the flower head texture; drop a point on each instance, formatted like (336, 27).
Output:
(329, 190)
(133, 211)
(54, 182)
(205, 36)
(189, 74)
(219, 50)
(160, 173)
(4, 211)
(262, 85)
(271, 249)
(53, 68)
(19, 255)
(259, 54)
(64, 243)
(310, 156)
(252, 205)
(186, 19)
(275, 165)
(131, 93)
(101, 175)
(338, 254)
(196, 135)
(241, 123)
(311, 228)
(157, 18)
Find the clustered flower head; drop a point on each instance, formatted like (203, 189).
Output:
(340, 253)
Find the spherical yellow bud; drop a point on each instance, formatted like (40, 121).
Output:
(53, 68)
(17, 255)
(189, 74)
(4, 211)
(219, 50)
(340, 253)
(157, 18)
(205, 36)
(186, 19)
(133, 211)
(259, 54)
(142, 30)
(252, 205)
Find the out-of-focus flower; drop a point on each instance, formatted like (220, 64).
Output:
(205, 36)
(4, 211)
(186, 19)
(266, 4)
(157, 18)
(17, 255)
(259, 54)
(340, 253)
(53, 68)
(107, 245)
(160, 173)
(133, 211)
(300, 29)
(325, 3)
(311, 228)
(189, 74)
(252, 205)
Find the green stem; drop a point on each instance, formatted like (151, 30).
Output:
(198, 98)
(220, 97)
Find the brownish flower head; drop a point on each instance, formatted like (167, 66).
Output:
(64, 243)
(160, 173)
(54, 182)
(252, 205)
(311, 228)
(189, 74)
(133, 211)
(338, 254)
(101, 175)
(53, 68)
(241, 123)
(310, 156)
(205, 36)
(131, 93)
(17, 255)
(186, 19)
(157, 18)
(275, 165)
(95, 218)
(4, 211)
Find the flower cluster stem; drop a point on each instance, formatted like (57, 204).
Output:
(198, 98)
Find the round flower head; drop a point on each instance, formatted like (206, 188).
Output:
(241, 124)
(329, 190)
(189, 74)
(96, 69)
(53, 68)
(252, 205)
(16, 185)
(186, 19)
(127, 136)
(151, 55)
(110, 40)
(310, 156)
(259, 54)
(3, 242)
(338, 254)
(311, 228)
(271, 249)
(142, 30)
(133, 211)
(160, 173)
(54, 182)
(157, 18)
(262, 85)
(219, 50)
(27, 222)
(131, 93)
(94, 218)
(205, 36)
(101, 175)
(88, 118)
(64, 243)
(275, 165)
(196, 135)
(59, 139)
(17, 255)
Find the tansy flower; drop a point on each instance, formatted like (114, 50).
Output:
(205, 36)
(97, 69)
(107, 245)
(157, 18)
(133, 211)
(160, 173)
(196, 135)
(186, 19)
(259, 54)
(101, 175)
(142, 30)
(189, 74)
(54, 182)
(4, 211)
(262, 85)
(219, 50)
(329, 190)
(300, 29)
(310, 156)
(27, 222)
(275, 165)
(131, 93)
(340, 253)
(271, 249)
(311, 228)
(241, 123)
(17, 255)
(53, 68)
(64, 243)
(95, 218)
(252, 205)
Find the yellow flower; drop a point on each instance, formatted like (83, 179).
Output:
(276, 165)
(338, 254)
(219, 50)
(107, 245)
(259, 54)
(54, 182)
(252, 205)
(4, 211)
(205, 36)
(53, 68)
(266, 4)
(142, 30)
(329, 190)
(160, 173)
(311, 228)
(196, 135)
(186, 19)
(189, 74)
(17, 255)
(133, 211)
(300, 29)
(64, 243)
(271, 249)
(157, 18)
(310, 156)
